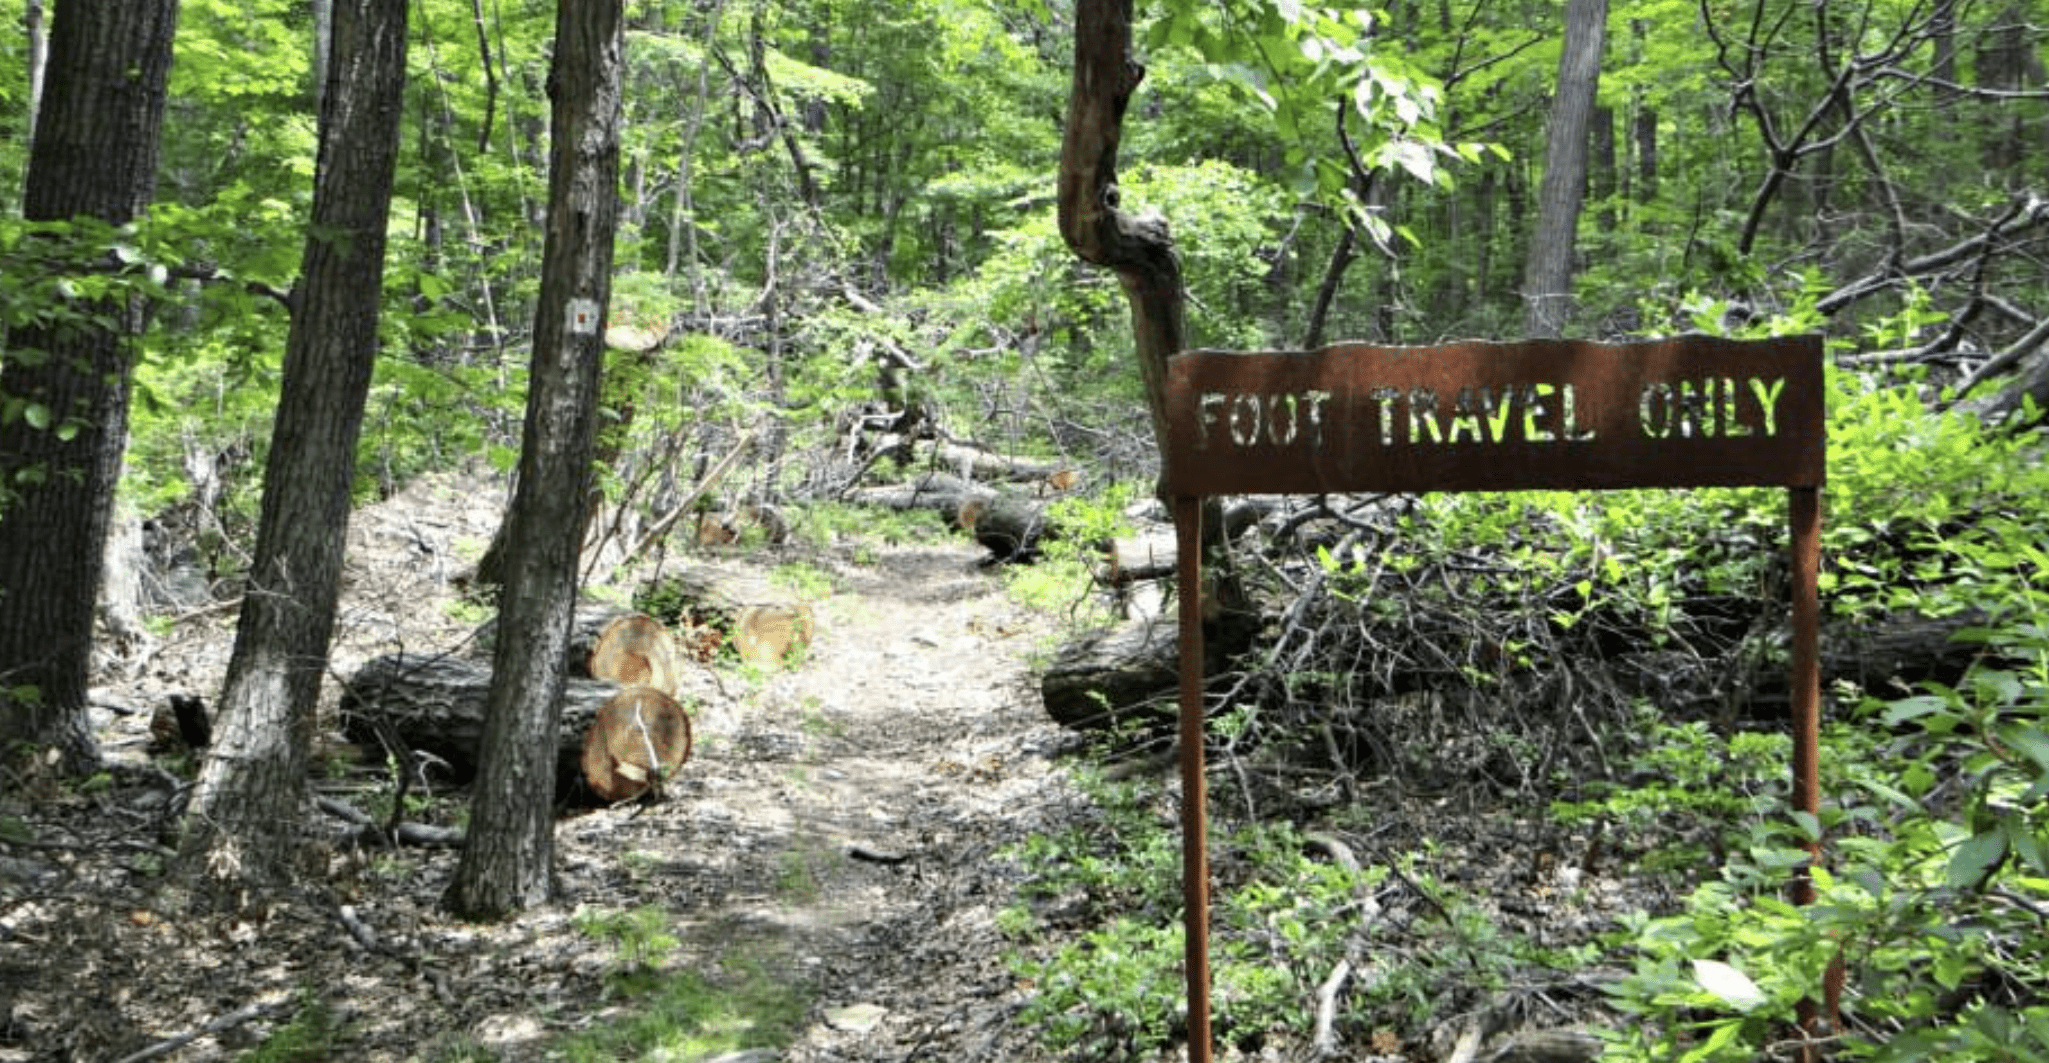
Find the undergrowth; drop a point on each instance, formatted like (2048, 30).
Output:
(1597, 656)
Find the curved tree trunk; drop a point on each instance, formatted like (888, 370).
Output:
(94, 157)
(242, 825)
(507, 856)
(1136, 246)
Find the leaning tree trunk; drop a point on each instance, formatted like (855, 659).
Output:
(243, 821)
(507, 857)
(93, 159)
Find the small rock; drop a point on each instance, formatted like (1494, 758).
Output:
(855, 1018)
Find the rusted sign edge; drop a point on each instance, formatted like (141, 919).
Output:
(1693, 411)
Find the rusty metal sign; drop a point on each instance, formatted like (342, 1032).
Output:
(1689, 412)
(1694, 412)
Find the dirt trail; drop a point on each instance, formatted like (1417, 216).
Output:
(853, 811)
(836, 830)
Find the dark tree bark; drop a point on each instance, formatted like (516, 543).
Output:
(94, 157)
(1547, 276)
(508, 855)
(244, 816)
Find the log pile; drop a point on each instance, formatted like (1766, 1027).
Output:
(628, 683)
(642, 735)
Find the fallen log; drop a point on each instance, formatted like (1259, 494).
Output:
(1047, 475)
(1113, 676)
(437, 704)
(938, 493)
(770, 636)
(1128, 673)
(635, 650)
(1011, 529)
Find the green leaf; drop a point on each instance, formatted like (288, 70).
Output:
(2025, 845)
(1729, 985)
(37, 415)
(1973, 863)
(1913, 708)
(2031, 741)
(1721, 1038)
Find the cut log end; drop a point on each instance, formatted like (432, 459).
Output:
(636, 650)
(767, 635)
(639, 736)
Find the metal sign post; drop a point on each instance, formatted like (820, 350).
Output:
(1539, 415)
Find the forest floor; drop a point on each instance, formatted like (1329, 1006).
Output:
(827, 864)
(825, 874)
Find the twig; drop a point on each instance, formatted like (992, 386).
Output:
(1325, 1039)
(711, 479)
(358, 929)
(228, 1021)
(1467, 1047)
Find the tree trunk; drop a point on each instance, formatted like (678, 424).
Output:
(1547, 276)
(1602, 176)
(94, 158)
(1136, 247)
(251, 789)
(38, 59)
(323, 50)
(507, 857)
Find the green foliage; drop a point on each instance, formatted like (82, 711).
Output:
(693, 1015)
(808, 582)
(1064, 580)
(824, 524)
(1685, 793)
(313, 1035)
(641, 936)
(1297, 62)
(1932, 888)
(1097, 933)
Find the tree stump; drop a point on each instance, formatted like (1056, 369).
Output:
(639, 738)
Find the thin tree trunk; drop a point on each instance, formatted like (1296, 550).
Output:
(1547, 276)
(1136, 247)
(94, 158)
(1602, 180)
(38, 59)
(243, 823)
(323, 50)
(683, 215)
(507, 857)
